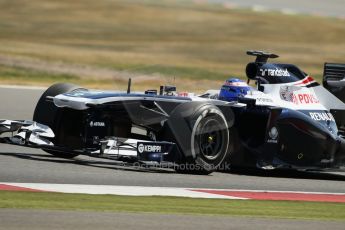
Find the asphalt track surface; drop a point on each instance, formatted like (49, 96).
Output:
(19, 164)
(32, 219)
(332, 8)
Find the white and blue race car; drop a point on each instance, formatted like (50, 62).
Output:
(288, 121)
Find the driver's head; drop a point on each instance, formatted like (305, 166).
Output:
(232, 89)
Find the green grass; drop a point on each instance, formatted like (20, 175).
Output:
(21, 74)
(26, 76)
(269, 209)
(198, 45)
(173, 71)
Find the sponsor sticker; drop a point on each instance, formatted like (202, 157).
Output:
(97, 124)
(264, 100)
(275, 72)
(297, 95)
(149, 148)
(321, 116)
(307, 98)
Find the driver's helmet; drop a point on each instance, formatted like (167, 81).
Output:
(232, 89)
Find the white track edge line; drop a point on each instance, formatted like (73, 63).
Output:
(165, 188)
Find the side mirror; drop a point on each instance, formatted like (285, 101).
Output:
(167, 90)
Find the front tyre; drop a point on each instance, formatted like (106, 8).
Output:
(202, 134)
(48, 114)
(210, 138)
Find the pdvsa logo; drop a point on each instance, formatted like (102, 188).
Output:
(306, 98)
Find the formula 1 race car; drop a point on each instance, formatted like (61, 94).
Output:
(289, 121)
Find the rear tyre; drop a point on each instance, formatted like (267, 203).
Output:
(48, 114)
(202, 134)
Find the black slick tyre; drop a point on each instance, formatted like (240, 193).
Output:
(48, 114)
(201, 132)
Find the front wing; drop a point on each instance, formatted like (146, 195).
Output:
(34, 135)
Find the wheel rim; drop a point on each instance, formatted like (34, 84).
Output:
(209, 139)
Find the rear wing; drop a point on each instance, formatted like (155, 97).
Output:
(334, 82)
(333, 72)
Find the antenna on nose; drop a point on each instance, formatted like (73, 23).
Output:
(129, 85)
